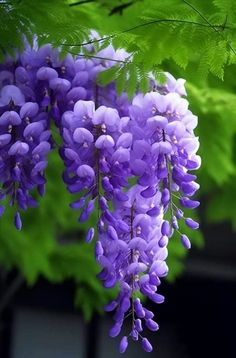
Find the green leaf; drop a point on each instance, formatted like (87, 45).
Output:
(107, 76)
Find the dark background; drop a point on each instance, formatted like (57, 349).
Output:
(197, 319)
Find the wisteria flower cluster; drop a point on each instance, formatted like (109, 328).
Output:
(131, 162)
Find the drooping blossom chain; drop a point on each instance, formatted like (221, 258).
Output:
(127, 160)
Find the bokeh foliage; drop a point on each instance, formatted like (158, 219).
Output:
(193, 40)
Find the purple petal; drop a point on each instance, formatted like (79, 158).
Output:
(189, 188)
(121, 155)
(98, 249)
(165, 147)
(78, 204)
(10, 117)
(155, 211)
(125, 304)
(90, 235)
(18, 222)
(185, 241)
(104, 141)
(148, 314)
(165, 196)
(4, 139)
(85, 171)
(136, 267)
(39, 167)
(2, 209)
(82, 135)
(80, 79)
(112, 232)
(60, 85)
(33, 129)
(138, 166)
(139, 308)
(157, 298)
(84, 109)
(152, 325)
(146, 345)
(137, 243)
(165, 228)
(29, 109)
(163, 241)
(42, 149)
(108, 116)
(125, 140)
(20, 148)
(160, 268)
(189, 204)
(21, 75)
(106, 184)
(157, 122)
(149, 192)
(76, 93)
(123, 344)
(46, 74)
(179, 213)
(110, 306)
(6, 78)
(115, 330)
(120, 196)
(138, 325)
(191, 223)
(71, 154)
(11, 93)
(175, 128)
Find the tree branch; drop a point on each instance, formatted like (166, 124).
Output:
(98, 57)
(81, 2)
(120, 8)
(152, 22)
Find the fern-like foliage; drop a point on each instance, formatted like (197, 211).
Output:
(53, 21)
(151, 31)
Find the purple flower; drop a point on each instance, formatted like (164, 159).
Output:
(146, 345)
(191, 223)
(152, 325)
(123, 344)
(129, 161)
(85, 171)
(90, 235)
(18, 222)
(185, 241)
(11, 93)
(46, 73)
(189, 204)
(104, 141)
(115, 330)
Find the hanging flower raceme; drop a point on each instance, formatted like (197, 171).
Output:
(24, 145)
(168, 154)
(52, 86)
(96, 162)
(132, 257)
(163, 150)
(131, 161)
